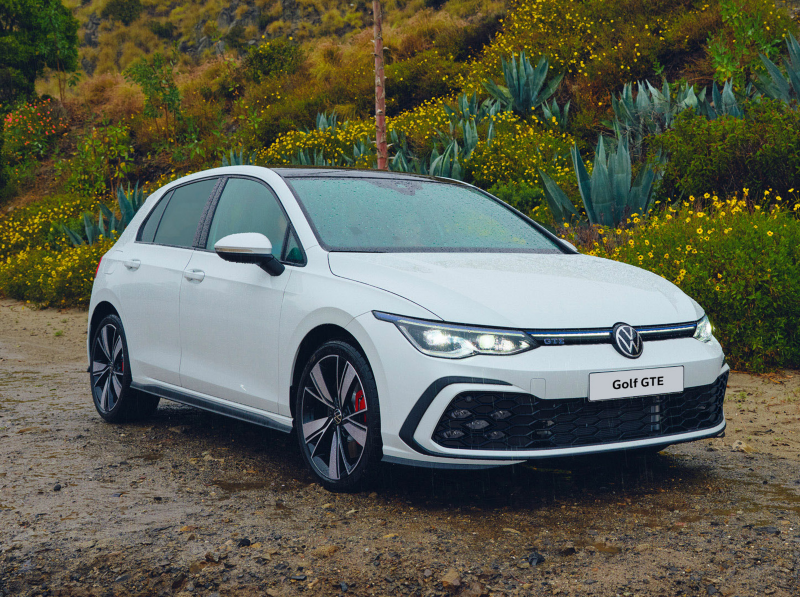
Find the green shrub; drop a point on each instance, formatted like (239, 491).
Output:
(157, 79)
(739, 262)
(235, 38)
(423, 77)
(277, 56)
(35, 226)
(752, 27)
(725, 155)
(126, 11)
(50, 278)
(519, 151)
(163, 30)
(521, 196)
(102, 160)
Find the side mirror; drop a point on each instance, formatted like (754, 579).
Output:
(249, 247)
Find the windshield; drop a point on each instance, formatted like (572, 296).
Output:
(382, 215)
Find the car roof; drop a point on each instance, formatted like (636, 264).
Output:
(307, 172)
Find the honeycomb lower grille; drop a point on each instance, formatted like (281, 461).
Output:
(508, 421)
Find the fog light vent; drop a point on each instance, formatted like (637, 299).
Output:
(460, 413)
(452, 434)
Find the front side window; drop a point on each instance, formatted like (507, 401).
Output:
(385, 215)
(179, 220)
(248, 206)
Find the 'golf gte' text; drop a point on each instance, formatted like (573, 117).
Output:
(647, 382)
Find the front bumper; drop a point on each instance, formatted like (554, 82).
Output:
(416, 391)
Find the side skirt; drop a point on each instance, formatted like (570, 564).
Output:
(213, 406)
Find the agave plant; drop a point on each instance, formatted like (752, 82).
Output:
(107, 224)
(468, 108)
(525, 88)
(238, 159)
(403, 160)
(554, 112)
(304, 158)
(448, 164)
(327, 121)
(722, 103)
(130, 202)
(650, 113)
(780, 86)
(609, 195)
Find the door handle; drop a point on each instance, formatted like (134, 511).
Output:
(132, 264)
(194, 275)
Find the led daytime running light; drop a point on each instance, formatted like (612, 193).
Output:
(458, 342)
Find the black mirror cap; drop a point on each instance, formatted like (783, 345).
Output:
(266, 262)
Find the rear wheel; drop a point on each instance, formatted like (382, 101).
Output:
(337, 417)
(110, 374)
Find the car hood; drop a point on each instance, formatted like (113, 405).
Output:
(532, 291)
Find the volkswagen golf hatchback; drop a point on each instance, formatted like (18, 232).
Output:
(399, 318)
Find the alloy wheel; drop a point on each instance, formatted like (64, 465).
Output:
(333, 415)
(108, 367)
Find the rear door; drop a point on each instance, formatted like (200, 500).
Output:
(149, 283)
(230, 312)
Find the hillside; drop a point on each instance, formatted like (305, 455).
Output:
(115, 32)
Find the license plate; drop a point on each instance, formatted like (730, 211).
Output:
(640, 382)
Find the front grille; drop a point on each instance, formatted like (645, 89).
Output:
(508, 421)
(605, 335)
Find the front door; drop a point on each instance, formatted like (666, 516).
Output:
(230, 312)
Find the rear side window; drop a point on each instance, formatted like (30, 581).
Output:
(248, 206)
(148, 232)
(182, 214)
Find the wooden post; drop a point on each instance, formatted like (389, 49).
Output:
(380, 90)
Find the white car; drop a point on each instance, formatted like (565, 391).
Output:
(389, 317)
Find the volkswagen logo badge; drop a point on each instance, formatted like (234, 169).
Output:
(627, 341)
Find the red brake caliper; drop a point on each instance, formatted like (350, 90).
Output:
(361, 403)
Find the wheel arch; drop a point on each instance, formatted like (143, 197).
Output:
(313, 340)
(101, 310)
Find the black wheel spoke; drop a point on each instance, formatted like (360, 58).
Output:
(105, 341)
(316, 429)
(321, 386)
(117, 349)
(333, 458)
(357, 431)
(116, 381)
(348, 376)
(104, 395)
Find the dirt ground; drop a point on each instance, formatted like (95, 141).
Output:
(191, 503)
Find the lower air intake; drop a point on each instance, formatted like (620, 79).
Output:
(508, 421)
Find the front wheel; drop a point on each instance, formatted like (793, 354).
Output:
(110, 374)
(337, 417)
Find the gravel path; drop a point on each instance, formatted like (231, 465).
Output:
(190, 503)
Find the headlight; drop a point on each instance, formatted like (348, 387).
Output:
(704, 332)
(457, 342)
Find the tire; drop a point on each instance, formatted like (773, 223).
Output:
(110, 376)
(337, 418)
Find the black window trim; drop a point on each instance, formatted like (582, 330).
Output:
(208, 216)
(168, 197)
(561, 248)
